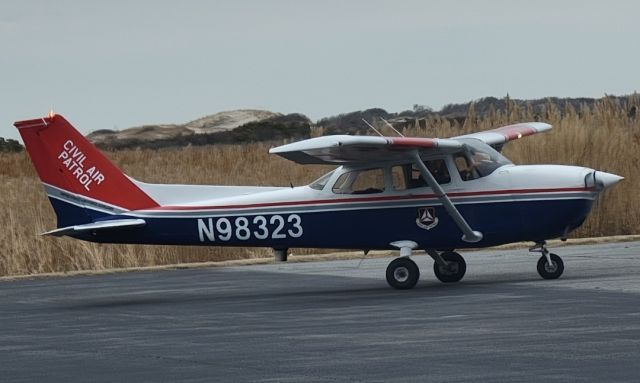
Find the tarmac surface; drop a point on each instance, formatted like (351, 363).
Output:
(332, 322)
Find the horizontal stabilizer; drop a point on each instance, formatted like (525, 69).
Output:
(98, 226)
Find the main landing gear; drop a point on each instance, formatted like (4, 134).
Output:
(449, 266)
(403, 273)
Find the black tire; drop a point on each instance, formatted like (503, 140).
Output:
(553, 271)
(455, 269)
(402, 273)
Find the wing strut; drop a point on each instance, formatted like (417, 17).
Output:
(470, 235)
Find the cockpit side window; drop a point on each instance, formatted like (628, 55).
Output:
(477, 160)
(408, 176)
(367, 181)
(465, 167)
(437, 168)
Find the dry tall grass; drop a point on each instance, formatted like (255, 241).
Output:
(604, 138)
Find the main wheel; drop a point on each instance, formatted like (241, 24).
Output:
(402, 273)
(550, 271)
(453, 271)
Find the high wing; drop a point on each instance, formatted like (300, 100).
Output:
(342, 149)
(500, 136)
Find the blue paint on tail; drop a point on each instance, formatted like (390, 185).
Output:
(69, 214)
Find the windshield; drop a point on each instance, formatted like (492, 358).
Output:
(478, 160)
(320, 183)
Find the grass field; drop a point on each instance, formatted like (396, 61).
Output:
(604, 137)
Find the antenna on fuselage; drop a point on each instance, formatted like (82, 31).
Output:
(371, 126)
(391, 126)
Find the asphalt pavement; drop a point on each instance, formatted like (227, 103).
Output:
(332, 322)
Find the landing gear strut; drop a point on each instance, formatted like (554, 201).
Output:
(550, 266)
(403, 273)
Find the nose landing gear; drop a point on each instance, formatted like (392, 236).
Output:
(550, 266)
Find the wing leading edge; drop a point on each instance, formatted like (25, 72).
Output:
(342, 149)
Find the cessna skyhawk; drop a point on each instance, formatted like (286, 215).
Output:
(431, 194)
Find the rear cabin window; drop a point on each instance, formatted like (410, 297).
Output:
(368, 181)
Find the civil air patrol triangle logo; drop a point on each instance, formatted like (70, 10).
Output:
(427, 218)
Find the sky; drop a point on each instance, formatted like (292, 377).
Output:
(117, 64)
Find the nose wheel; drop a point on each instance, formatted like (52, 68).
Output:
(550, 266)
(550, 269)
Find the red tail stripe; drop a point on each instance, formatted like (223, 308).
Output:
(64, 158)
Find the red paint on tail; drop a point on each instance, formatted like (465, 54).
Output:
(64, 158)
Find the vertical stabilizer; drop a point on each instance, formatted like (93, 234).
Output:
(82, 183)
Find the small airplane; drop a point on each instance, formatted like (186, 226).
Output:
(402, 193)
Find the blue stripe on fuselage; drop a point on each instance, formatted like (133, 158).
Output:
(502, 222)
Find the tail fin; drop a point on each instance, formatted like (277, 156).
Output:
(81, 182)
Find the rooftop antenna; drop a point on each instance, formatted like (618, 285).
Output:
(391, 126)
(371, 126)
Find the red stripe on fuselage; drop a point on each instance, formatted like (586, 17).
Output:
(369, 199)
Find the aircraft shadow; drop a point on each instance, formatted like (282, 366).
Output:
(310, 290)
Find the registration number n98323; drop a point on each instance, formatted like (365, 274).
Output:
(254, 227)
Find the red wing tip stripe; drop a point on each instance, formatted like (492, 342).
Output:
(371, 199)
(515, 132)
